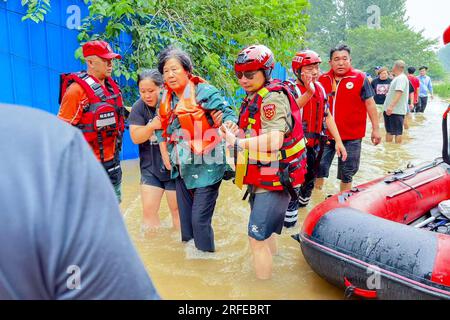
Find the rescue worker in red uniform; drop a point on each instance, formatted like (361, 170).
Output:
(92, 102)
(350, 98)
(316, 119)
(269, 151)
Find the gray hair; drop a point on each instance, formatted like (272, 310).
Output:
(177, 53)
(400, 64)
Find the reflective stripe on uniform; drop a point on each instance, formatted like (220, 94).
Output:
(263, 92)
(280, 155)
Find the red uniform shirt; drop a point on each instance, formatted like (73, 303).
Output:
(347, 100)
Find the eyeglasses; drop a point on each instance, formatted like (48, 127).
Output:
(248, 74)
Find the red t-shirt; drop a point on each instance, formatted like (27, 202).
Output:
(415, 82)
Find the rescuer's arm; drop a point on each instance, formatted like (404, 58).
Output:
(72, 104)
(140, 134)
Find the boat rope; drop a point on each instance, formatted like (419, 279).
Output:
(412, 188)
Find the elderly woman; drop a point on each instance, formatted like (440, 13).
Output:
(155, 178)
(191, 111)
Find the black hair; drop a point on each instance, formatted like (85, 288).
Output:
(423, 67)
(411, 70)
(177, 53)
(151, 74)
(341, 47)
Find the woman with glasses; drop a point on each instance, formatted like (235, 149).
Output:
(269, 149)
(191, 111)
(155, 177)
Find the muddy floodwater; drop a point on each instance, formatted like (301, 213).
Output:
(179, 271)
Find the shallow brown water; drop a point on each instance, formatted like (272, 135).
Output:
(179, 271)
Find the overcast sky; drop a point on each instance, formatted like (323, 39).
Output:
(430, 15)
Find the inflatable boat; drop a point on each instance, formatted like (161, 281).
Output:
(389, 238)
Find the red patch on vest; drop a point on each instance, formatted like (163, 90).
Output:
(269, 111)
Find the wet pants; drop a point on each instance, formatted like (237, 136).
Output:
(196, 207)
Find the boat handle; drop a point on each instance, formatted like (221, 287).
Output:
(351, 290)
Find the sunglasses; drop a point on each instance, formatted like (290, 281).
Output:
(248, 74)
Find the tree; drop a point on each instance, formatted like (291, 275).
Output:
(444, 57)
(394, 41)
(36, 9)
(351, 22)
(212, 31)
(331, 20)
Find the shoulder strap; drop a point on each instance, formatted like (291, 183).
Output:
(92, 88)
(116, 89)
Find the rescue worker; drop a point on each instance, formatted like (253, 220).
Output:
(92, 102)
(191, 111)
(269, 151)
(316, 119)
(350, 98)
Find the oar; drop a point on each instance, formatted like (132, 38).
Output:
(435, 213)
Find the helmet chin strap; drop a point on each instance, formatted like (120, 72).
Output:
(268, 74)
(299, 77)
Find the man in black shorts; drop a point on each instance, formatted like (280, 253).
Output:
(396, 103)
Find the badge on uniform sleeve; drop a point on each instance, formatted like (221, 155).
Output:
(349, 85)
(269, 111)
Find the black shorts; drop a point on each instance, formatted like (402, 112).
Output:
(267, 215)
(394, 124)
(149, 179)
(346, 169)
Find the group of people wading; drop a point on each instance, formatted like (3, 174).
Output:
(284, 136)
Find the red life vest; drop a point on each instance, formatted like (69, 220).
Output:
(346, 105)
(102, 121)
(198, 127)
(314, 115)
(274, 171)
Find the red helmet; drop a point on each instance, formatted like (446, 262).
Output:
(254, 58)
(447, 35)
(305, 58)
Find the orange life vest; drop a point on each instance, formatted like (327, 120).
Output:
(198, 127)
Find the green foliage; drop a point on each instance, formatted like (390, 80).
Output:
(212, 31)
(346, 21)
(36, 9)
(444, 56)
(442, 90)
(331, 20)
(372, 47)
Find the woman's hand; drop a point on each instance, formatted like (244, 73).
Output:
(341, 151)
(233, 127)
(165, 155)
(166, 162)
(156, 123)
(217, 117)
(230, 137)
